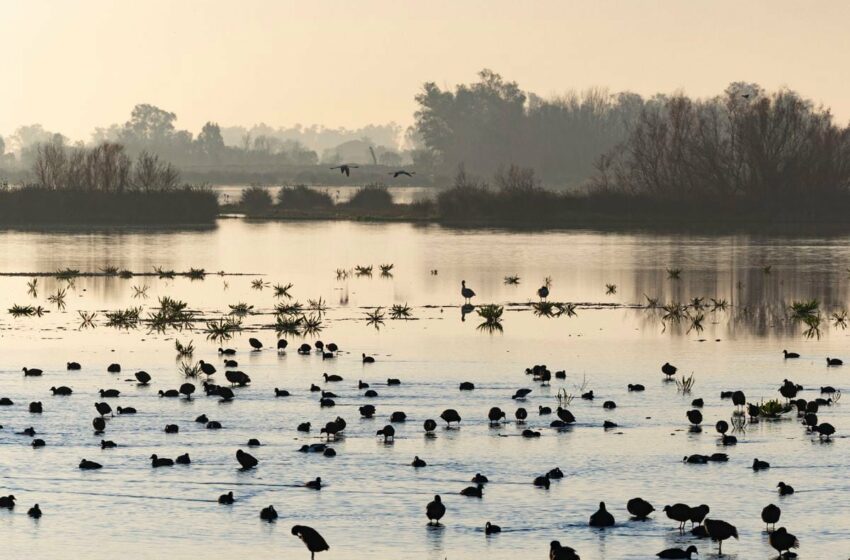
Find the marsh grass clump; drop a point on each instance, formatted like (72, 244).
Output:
(282, 290)
(259, 284)
(399, 311)
(492, 315)
(288, 308)
(163, 273)
(22, 310)
(109, 270)
(288, 325)
(839, 319)
(58, 299)
(568, 309)
(342, 274)
(66, 273)
(189, 370)
(302, 197)
(387, 269)
(311, 324)
(812, 329)
(240, 309)
(511, 280)
(610, 289)
(375, 317)
(651, 303)
(686, 384)
(184, 350)
(674, 273)
(673, 312)
(773, 409)
(141, 291)
(564, 398)
(696, 322)
(125, 274)
(361, 270)
(545, 308)
(223, 328)
(318, 305)
(255, 200)
(196, 273)
(124, 318)
(718, 304)
(32, 287)
(87, 319)
(801, 310)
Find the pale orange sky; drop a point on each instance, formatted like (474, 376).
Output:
(73, 65)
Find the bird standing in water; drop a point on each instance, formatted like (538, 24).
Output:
(467, 293)
(311, 539)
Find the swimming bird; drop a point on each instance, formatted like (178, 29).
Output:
(450, 415)
(393, 382)
(720, 531)
(7, 502)
(495, 415)
(370, 394)
(521, 414)
(565, 415)
(280, 392)
(467, 293)
(543, 410)
(227, 351)
(109, 393)
(255, 344)
(170, 393)
(143, 377)
(785, 489)
(172, 428)
(246, 460)
(311, 539)
(207, 368)
(602, 517)
(396, 174)
(268, 513)
(639, 508)
(226, 499)
(332, 347)
(183, 459)
(669, 370)
(824, 429)
(760, 465)
(314, 484)
(114, 368)
(476, 491)
(331, 378)
(418, 463)
(790, 355)
(636, 387)
(770, 515)
(36, 443)
(429, 426)
(99, 425)
(367, 359)
(834, 361)
(34, 512)
(435, 510)
(304, 427)
(781, 540)
(490, 529)
(398, 416)
(467, 386)
(345, 168)
(72, 366)
(542, 481)
(520, 394)
(187, 389)
(32, 372)
(678, 552)
(107, 444)
(87, 465)
(304, 349)
(559, 552)
(157, 461)
(61, 391)
(282, 344)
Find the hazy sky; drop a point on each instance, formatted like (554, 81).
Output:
(74, 65)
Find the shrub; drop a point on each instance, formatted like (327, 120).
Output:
(371, 197)
(302, 197)
(255, 199)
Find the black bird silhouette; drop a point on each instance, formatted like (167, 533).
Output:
(698, 514)
(311, 539)
(247, 460)
(476, 491)
(73, 366)
(87, 465)
(388, 433)
(282, 344)
(227, 351)
(559, 552)
(157, 461)
(770, 515)
(7, 502)
(143, 377)
(109, 393)
(639, 508)
(781, 540)
(680, 513)
(834, 362)
(450, 415)
(789, 355)
(34, 512)
(207, 368)
(490, 529)
(346, 168)
(114, 368)
(314, 484)
(719, 531)
(785, 489)
(396, 174)
(495, 415)
(435, 510)
(99, 425)
(183, 459)
(760, 465)
(226, 499)
(636, 387)
(268, 513)
(542, 292)
(602, 517)
(418, 463)
(824, 429)
(187, 389)
(678, 552)
(61, 391)
(467, 293)
(255, 344)
(32, 372)
(668, 370)
(368, 359)
(430, 425)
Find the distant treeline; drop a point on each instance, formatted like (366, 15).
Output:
(103, 185)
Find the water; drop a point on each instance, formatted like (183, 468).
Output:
(340, 194)
(374, 501)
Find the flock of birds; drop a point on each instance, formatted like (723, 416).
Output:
(702, 526)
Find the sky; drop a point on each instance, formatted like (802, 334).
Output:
(72, 65)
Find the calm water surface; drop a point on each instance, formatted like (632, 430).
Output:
(373, 504)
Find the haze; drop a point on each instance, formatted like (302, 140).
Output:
(72, 65)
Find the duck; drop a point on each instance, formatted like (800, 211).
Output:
(698, 514)
(171, 429)
(476, 491)
(143, 377)
(490, 529)
(280, 392)
(450, 415)
(230, 364)
(207, 368)
(255, 344)
(530, 434)
(393, 382)
(362, 384)
(61, 391)
(495, 415)
(418, 463)
(678, 552)
(388, 433)
(109, 393)
(467, 386)
(565, 415)
(99, 425)
(103, 408)
(254, 442)
(367, 359)
(543, 410)
(314, 484)
(226, 499)
(398, 416)
(639, 508)
(311, 539)
(520, 414)
(467, 293)
(480, 479)
(521, 394)
(720, 531)
(429, 426)
(34, 512)
(781, 540)
(73, 366)
(370, 394)
(183, 459)
(7, 502)
(87, 465)
(202, 419)
(303, 427)
(834, 362)
(790, 355)
(114, 368)
(785, 489)
(331, 378)
(157, 461)
(367, 411)
(37, 443)
(559, 552)
(542, 481)
(770, 515)
(637, 387)
(246, 460)
(227, 351)
(697, 403)
(434, 511)
(760, 465)
(679, 512)
(282, 344)
(602, 517)
(36, 408)
(107, 444)
(824, 429)
(669, 370)
(268, 513)
(555, 473)
(694, 417)
(32, 372)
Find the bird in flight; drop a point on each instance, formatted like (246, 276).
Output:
(396, 174)
(346, 168)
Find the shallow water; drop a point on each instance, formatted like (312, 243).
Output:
(374, 501)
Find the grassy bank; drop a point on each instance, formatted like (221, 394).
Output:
(36, 205)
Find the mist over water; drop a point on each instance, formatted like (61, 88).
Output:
(374, 500)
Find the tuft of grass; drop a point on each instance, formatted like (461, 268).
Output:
(674, 273)
(773, 409)
(375, 317)
(123, 318)
(363, 270)
(545, 308)
(311, 324)
(125, 274)
(32, 287)
(685, 384)
(512, 280)
(288, 308)
(800, 310)
(812, 329)
(141, 291)
(58, 299)
(222, 329)
(839, 319)
(188, 369)
(387, 270)
(651, 303)
(87, 319)
(66, 273)
(673, 312)
(109, 270)
(342, 274)
(240, 309)
(568, 309)
(399, 311)
(22, 310)
(196, 273)
(163, 273)
(184, 350)
(282, 290)
(718, 304)
(610, 289)
(318, 305)
(696, 322)
(259, 284)
(288, 325)
(491, 313)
